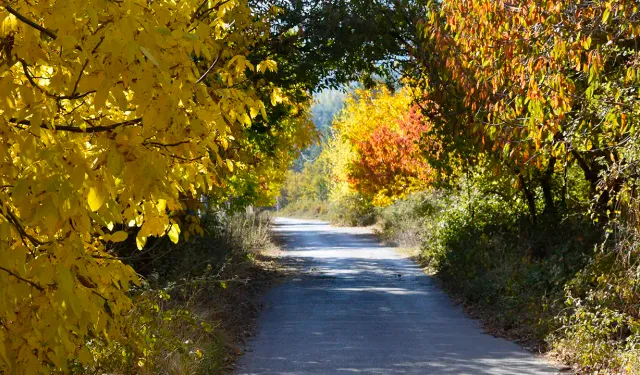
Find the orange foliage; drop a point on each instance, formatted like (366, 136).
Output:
(391, 162)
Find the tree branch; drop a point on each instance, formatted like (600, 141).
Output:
(210, 69)
(75, 87)
(13, 219)
(24, 19)
(25, 68)
(168, 144)
(76, 129)
(35, 285)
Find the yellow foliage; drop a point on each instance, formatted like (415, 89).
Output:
(364, 110)
(110, 112)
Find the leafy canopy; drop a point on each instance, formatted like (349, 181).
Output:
(111, 115)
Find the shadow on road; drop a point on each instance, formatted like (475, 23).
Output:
(357, 307)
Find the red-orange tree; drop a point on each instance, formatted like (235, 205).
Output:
(390, 163)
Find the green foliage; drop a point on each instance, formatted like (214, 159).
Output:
(352, 209)
(601, 325)
(327, 104)
(320, 44)
(480, 242)
(408, 221)
(307, 208)
(311, 184)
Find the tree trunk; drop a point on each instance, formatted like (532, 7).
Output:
(563, 193)
(531, 200)
(547, 191)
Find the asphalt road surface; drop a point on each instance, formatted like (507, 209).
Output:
(360, 308)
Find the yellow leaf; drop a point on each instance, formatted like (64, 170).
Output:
(101, 96)
(230, 165)
(141, 241)
(174, 233)
(119, 236)
(95, 199)
(8, 25)
(36, 120)
(149, 56)
(3, 352)
(162, 205)
(115, 162)
(268, 65)
(276, 96)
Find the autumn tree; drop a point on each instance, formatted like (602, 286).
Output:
(110, 114)
(539, 85)
(375, 149)
(390, 162)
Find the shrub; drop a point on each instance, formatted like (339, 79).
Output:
(306, 208)
(352, 210)
(192, 296)
(497, 260)
(601, 325)
(409, 221)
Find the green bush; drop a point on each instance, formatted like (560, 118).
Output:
(408, 222)
(601, 324)
(352, 210)
(561, 281)
(306, 208)
(488, 252)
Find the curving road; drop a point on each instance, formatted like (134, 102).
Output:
(359, 308)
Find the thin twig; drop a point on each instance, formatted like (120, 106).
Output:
(210, 69)
(13, 219)
(75, 87)
(30, 78)
(168, 144)
(33, 284)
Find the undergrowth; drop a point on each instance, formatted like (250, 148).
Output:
(196, 302)
(350, 210)
(561, 284)
(306, 209)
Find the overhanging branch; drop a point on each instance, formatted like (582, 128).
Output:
(77, 129)
(31, 23)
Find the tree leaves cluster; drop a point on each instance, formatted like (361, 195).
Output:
(539, 86)
(385, 133)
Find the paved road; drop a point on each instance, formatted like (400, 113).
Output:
(360, 308)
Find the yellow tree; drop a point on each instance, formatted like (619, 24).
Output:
(110, 112)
